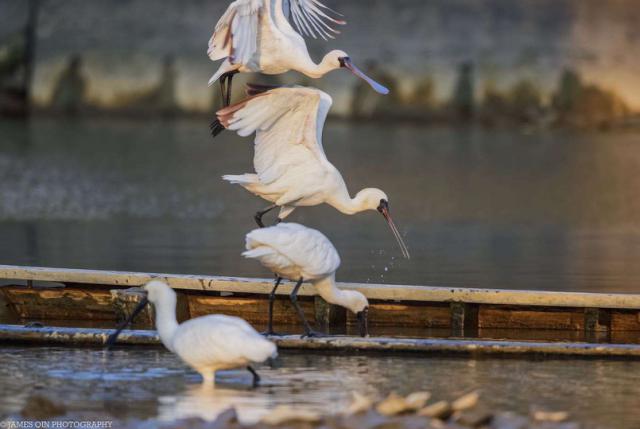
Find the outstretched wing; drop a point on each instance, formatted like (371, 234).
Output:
(290, 244)
(236, 34)
(288, 123)
(313, 19)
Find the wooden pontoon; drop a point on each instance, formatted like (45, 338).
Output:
(62, 296)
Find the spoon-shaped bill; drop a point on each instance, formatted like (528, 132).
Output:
(384, 209)
(346, 63)
(113, 337)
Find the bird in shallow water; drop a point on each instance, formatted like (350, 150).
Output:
(291, 167)
(298, 253)
(256, 36)
(207, 344)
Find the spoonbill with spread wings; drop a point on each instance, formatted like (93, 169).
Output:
(256, 36)
(291, 167)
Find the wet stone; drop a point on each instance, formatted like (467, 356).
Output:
(39, 407)
(438, 410)
(474, 418)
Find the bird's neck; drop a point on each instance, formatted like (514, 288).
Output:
(316, 71)
(343, 202)
(327, 289)
(166, 322)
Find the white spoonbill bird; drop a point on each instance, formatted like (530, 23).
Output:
(255, 36)
(298, 253)
(208, 343)
(291, 167)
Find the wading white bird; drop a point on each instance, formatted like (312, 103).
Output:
(255, 36)
(291, 167)
(298, 253)
(208, 343)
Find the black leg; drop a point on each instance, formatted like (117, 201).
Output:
(308, 332)
(258, 215)
(256, 377)
(223, 78)
(229, 82)
(272, 298)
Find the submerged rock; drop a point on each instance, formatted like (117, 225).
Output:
(38, 407)
(395, 404)
(286, 414)
(465, 402)
(359, 404)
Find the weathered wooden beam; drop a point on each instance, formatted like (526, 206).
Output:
(597, 324)
(464, 319)
(329, 316)
(97, 337)
(372, 291)
(67, 303)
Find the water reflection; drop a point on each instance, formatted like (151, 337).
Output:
(156, 386)
(486, 208)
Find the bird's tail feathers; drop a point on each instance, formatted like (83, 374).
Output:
(257, 252)
(241, 179)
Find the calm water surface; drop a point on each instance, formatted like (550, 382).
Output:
(153, 384)
(505, 209)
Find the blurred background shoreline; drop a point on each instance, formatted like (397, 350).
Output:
(508, 146)
(493, 63)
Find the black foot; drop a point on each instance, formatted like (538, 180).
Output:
(216, 128)
(256, 377)
(258, 219)
(34, 325)
(313, 334)
(271, 333)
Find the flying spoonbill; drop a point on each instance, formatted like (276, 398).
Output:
(255, 36)
(208, 343)
(291, 167)
(298, 253)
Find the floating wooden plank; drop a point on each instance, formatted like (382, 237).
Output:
(372, 291)
(425, 347)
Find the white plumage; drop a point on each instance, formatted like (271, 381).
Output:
(256, 36)
(293, 251)
(291, 168)
(208, 343)
(298, 253)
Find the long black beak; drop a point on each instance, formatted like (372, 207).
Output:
(363, 322)
(383, 208)
(113, 337)
(346, 63)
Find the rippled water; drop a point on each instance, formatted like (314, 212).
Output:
(488, 208)
(153, 384)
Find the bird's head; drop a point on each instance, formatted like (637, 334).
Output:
(376, 199)
(359, 305)
(339, 59)
(158, 291)
(155, 291)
